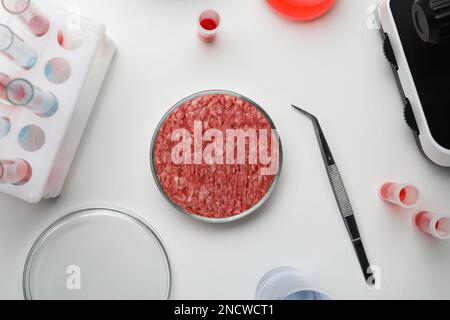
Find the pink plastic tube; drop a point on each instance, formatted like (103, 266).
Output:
(208, 25)
(15, 172)
(434, 224)
(402, 195)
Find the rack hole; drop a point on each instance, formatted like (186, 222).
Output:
(5, 127)
(31, 138)
(58, 70)
(71, 37)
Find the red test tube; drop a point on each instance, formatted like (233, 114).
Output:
(402, 195)
(433, 224)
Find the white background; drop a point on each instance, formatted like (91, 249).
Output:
(335, 68)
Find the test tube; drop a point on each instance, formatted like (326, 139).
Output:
(21, 92)
(4, 81)
(403, 195)
(15, 172)
(30, 14)
(15, 49)
(286, 283)
(208, 25)
(434, 224)
(5, 126)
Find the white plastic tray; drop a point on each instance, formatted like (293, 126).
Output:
(63, 131)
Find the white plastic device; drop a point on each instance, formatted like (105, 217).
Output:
(431, 148)
(89, 63)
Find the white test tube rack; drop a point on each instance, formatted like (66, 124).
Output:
(63, 131)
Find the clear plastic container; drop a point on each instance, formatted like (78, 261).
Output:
(15, 49)
(287, 283)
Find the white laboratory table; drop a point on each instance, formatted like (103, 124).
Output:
(334, 67)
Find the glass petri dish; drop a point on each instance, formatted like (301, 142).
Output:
(98, 254)
(202, 218)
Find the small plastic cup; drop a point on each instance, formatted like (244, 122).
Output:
(434, 224)
(286, 283)
(402, 195)
(16, 172)
(208, 25)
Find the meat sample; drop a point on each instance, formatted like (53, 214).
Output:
(217, 188)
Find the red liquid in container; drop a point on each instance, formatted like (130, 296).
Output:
(402, 195)
(302, 10)
(208, 24)
(60, 38)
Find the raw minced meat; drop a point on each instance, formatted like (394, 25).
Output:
(212, 190)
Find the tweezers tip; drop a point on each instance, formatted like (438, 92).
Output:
(304, 112)
(297, 108)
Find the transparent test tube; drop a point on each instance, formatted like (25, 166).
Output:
(15, 172)
(434, 224)
(21, 92)
(15, 49)
(286, 283)
(402, 195)
(30, 14)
